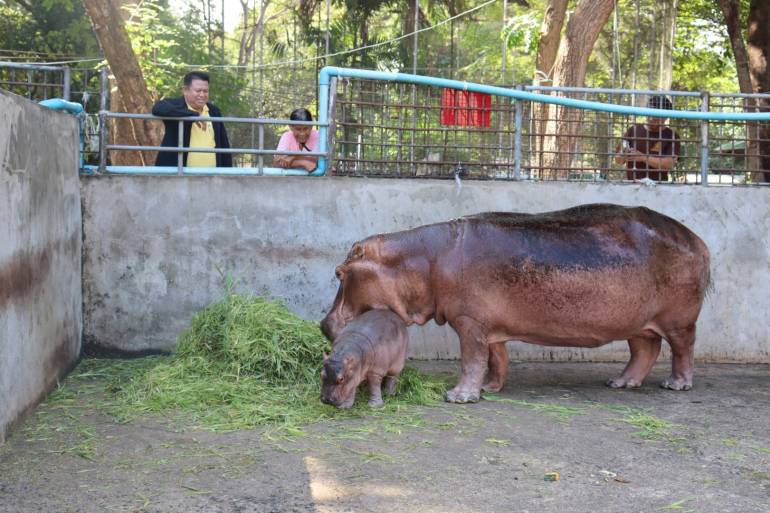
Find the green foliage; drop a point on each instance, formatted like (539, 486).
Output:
(45, 30)
(165, 45)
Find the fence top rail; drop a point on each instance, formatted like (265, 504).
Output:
(189, 149)
(331, 71)
(31, 66)
(229, 119)
(609, 90)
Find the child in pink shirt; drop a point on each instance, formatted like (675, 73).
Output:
(298, 138)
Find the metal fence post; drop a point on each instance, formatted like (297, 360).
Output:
(180, 143)
(66, 82)
(103, 84)
(518, 109)
(260, 158)
(704, 140)
(102, 141)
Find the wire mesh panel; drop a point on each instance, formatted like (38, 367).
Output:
(397, 129)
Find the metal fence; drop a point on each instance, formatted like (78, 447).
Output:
(399, 129)
(404, 130)
(255, 159)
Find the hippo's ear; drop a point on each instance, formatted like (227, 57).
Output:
(326, 357)
(356, 252)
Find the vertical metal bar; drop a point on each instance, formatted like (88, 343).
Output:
(261, 27)
(29, 84)
(261, 158)
(180, 143)
(414, 87)
(104, 86)
(104, 80)
(67, 82)
(518, 108)
(102, 140)
(704, 140)
(331, 136)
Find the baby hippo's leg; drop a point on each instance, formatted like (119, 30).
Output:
(389, 385)
(375, 393)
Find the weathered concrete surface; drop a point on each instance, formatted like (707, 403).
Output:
(154, 245)
(632, 451)
(40, 253)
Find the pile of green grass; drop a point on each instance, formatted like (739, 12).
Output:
(244, 362)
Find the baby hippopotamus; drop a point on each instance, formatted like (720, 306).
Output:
(371, 347)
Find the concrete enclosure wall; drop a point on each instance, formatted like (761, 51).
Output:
(155, 247)
(40, 253)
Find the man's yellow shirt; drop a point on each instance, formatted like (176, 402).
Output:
(202, 138)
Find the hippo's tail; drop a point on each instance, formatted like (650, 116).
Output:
(706, 278)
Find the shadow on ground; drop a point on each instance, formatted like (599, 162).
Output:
(646, 450)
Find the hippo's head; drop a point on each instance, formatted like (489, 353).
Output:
(339, 380)
(380, 273)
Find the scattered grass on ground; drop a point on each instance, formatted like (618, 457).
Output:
(649, 426)
(560, 412)
(244, 362)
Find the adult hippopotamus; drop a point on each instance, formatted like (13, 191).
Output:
(580, 277)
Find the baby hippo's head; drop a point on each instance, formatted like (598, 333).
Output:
(339, 380)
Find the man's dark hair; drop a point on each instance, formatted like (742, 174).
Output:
(301, 115)
(659, 102)
(200, 75)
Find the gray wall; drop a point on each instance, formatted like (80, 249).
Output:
(40, 253)
(154, 245)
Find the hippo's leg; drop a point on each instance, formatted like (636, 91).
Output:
(375, 392)
(497, 368)
(389, 385)
(474, 355)
(682, 342)
(644, 352)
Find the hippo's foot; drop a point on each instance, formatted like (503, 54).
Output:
(672, 383)
(492, 386)
(462, 396)
(389, 385)
(376, 403)
(622, 382)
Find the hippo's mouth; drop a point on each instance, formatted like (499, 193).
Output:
(339, 403)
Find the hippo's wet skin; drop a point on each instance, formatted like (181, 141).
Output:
(580, 277)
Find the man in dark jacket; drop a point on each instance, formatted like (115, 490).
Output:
(200, 134)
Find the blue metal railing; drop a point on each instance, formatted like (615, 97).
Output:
(327, 74)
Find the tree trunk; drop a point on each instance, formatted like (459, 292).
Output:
(666, 49)
(110, 30)
(547, 48)
(759, 56)
(550, 35)
(248, 36)
(583, 30)
(731, 10)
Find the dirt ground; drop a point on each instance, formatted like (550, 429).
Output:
(647, 450)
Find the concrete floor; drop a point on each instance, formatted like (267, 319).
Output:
(646, 450)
